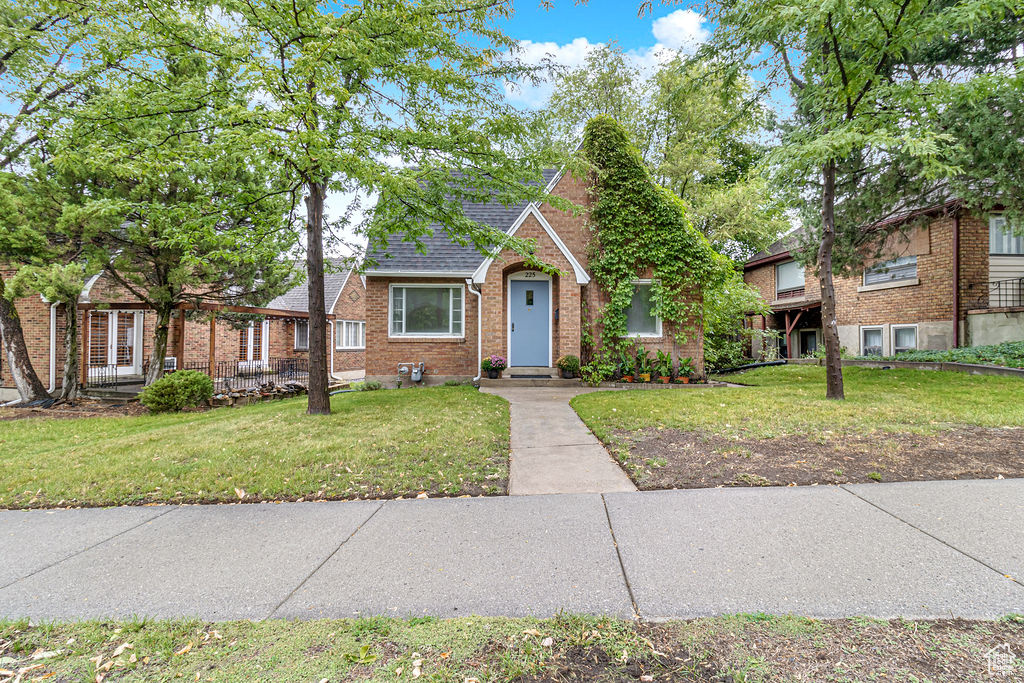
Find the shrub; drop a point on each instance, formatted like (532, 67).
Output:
(178, 390)
(1007, 354)
(598, 370)
(569, 363)
(366, 386)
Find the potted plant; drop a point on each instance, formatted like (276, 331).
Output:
(663, 367)
(493, 365)
(628, 365)
(685, 369)
(569, 365)
(643, 364)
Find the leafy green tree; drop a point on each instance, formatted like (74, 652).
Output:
(189, 215)
(701, 133)
(398, 98)
(866, 126)
(52, 52)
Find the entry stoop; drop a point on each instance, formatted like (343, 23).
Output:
(520, 376)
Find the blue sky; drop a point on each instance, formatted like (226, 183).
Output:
(568, 31)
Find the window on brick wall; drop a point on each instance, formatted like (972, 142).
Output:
(1004, 239)
(426, 311)
(871, 341)
(789, 280)
(301, 335)
(902, 268)
(904, 338)
(641, 320)
(350, 334)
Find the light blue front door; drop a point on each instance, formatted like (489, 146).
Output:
(531, 323)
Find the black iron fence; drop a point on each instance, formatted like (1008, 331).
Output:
(997, 294)
(227, 375)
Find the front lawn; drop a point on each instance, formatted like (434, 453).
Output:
(568, 648)
(895, 425)
(442, 441)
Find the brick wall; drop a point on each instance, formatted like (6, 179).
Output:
(351, 305)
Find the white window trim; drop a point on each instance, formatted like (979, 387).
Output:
(529, 275)
(865, 328)
(892, 337)
(112, 315)
(264, 343)
(657, 318)
(991, 226)
(339, 335)
(304, 347)
(419, 335)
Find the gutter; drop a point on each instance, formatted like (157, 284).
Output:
(479, 328)
(331, 323)
(956, 280)
(53, 349)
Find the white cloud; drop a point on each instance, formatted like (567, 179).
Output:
(680, 31)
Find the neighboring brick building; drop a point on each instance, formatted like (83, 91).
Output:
(116, 334)
(447, 306)
(957, 280)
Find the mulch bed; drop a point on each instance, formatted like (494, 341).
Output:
(667, 458)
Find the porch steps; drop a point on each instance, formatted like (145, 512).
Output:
(509, 382)
(530, 372)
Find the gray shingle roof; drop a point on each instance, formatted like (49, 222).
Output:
(297, 298)
(442, 254)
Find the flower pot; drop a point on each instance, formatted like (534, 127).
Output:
(567, 374)
(685, 380)
(627, 378)
(664, 379)
(493, 374)
(644, 376)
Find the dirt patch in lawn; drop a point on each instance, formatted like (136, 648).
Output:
(667, 458)
(79, 408)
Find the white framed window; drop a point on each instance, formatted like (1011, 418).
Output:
(871, 341)
(641, 321)
(417, 310)
(350, 334)
(789, 279)
(902, 268)
(1003, 240)
(253, 344)
(904, 338)
(301, 335)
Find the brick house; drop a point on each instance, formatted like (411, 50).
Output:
(447, 306)
(116, 336)
(956, 280)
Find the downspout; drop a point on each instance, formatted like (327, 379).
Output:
(53, 348)
(479, 329)
(956, 279)
(331, 323)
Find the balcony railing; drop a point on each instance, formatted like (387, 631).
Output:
(997, 294)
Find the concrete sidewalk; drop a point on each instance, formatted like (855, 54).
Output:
(928, 549)
(552, 451)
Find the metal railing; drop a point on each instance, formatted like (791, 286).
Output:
(235, 376)
(227, 375)
(997, 293)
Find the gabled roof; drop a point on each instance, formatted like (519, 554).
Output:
(297, 298)
(480, 274)
(442, 255)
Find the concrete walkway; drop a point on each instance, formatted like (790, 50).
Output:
(923, 549)
(552, 450)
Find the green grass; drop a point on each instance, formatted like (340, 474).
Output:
(790, 400)
(446, 440)
(755, 647)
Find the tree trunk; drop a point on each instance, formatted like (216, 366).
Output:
(156, 359)
(318, 401)
(69, 383)
(833, 362)
(30, 388)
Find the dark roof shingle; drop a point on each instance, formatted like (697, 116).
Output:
(297, 298)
